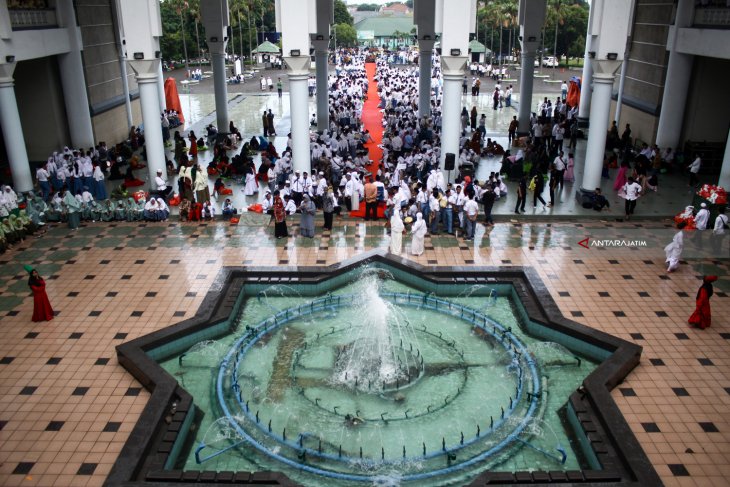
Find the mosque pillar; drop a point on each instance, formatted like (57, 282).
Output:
(147, 80)
(13, 131)
(161, 88)
(725, 169)
(531, 16)
(298, 72)
(321, 53)
(215, 18)
(425, 48)
(676, 83)
(620, 95)
(527, 76)
(584, 105)
(596, 147)
(73, 81)
(452, 70)
(221, 91)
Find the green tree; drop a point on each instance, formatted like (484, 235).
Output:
(178, 27)
(572, 22)
(368, 7)
(346, 35)
(342, 16)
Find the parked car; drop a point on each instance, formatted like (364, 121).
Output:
(550, 62)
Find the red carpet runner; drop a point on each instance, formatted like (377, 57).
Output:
(372, 119)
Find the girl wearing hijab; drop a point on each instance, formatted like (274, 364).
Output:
(251, 187)
(11, 235)
(396, 232)
(279, 217)
(306, 222)
(419, 233)
(99, 186)
(73, 210)
(702, 317)
(42, 310)
(4, 245)
(108, 210)
(163, 209)
(151, 211)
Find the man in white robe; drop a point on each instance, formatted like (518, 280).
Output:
(396, 232)
(419, 233)
(673, 251)
(702, 217)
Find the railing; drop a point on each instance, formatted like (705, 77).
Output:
(712, 16)
(33, 19)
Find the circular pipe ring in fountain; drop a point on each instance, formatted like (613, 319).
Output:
(522, 360)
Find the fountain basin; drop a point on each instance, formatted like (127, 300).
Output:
(277, 398)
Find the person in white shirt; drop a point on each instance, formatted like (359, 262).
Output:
(471, 211)
(702, 217)
(559, 164)
(267, 205)
(162, 187)
(694, 169)
(297, 188)
(290, 207)
(718, 230)
(42, 176)
(632, 190)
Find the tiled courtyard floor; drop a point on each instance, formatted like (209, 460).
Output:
(67, 407)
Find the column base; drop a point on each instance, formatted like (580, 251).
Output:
(582, 193)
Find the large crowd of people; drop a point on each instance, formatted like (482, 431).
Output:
(407, 185)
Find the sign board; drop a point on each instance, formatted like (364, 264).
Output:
(365, 35)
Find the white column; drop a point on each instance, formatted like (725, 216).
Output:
(725, 170)
(125, 89)
(679, 71)
(600, 108)
(73, 81)
(149, 100)
(161, 88)
(299, 107)
(13, 134)
(620, 96)
(527, 76)
(584, 105)
(425, 48)
(676, 84)
(321, 53)
(76, 100)
(221, 91)
(452, 69)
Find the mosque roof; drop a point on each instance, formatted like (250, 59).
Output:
(477, 46)
(267, 47)
(386, 26)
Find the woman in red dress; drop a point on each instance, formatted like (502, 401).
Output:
(702, 318)
(42, 310)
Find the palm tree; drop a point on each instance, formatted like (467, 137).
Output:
(195, 14)
(181, 5)
(500, 14)
(554, 15)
